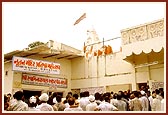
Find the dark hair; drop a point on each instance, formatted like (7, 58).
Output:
(97, 96)
(5, 99)
(58, 98)
(136, 94)
(115, 96)
(101, 97)
(157, 91)
(162, 94)
(107, 99)
(70, 93)
(86, 93)
(119, 97)
(18, 95)
(71, 101)
(9, 94)
(81, 94)
(54, 94)
(75, 96)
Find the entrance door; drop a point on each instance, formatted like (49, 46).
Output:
(29, 93)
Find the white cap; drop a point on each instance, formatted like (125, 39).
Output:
(32, 99)
(91, 98)
(142, 92)
(44, 97)
(54, 100)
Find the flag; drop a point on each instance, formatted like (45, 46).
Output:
(99, 53)
(84, 48)
(91, 48)
(120, 49)
(81, 18)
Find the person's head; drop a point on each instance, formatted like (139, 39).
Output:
(91, 98)
(142, 87)
(132, 96)
(54, 94)
(71, 101)
(44, 97)
(157, 91)
(97, 96)
(5, 99)
(161, 90)
(101, 97)
(18, 95)
(70, 93)
(32, 101)
(81, 94)
(115, 96)
(86, 93)
(162, 94)
(6, 104)
(75, 96)
(9, 95)
(119, 97)
(154, 95)
(59, 98)
(136, 94)
(148, 93)
(107, 99)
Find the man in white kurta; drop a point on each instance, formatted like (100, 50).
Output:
(144, 101)
(106, 106)
(92, 106)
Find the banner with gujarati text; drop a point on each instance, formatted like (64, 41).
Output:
(43, 81)
(35, 66)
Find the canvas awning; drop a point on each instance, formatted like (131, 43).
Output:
(145, 52)
(146, 58)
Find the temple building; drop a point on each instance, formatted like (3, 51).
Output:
(102, 66)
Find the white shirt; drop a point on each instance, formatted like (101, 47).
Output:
(18, 105)
(91, 107)
(121, 105)
(33, 109)
(113, 101)
(83, 102)
(150, 100)
(105, 106)
(156, 105)
(145, 103)
(162, 104)
(73, 109)
(45, 107)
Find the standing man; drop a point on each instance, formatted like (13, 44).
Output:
(18, 105)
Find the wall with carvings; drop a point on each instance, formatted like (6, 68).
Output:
(143, 32)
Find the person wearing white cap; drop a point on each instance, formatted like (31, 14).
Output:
(44, 106)
(144, 101)
(92, 106)
(32, 104)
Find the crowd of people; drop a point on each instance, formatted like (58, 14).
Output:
(141, 100)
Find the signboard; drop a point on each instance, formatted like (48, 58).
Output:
(157, 85)
(93, 90)
(44, 81)
(36, 66)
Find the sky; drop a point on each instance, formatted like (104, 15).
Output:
(26, 22)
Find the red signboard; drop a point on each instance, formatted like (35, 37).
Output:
(44, 81)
